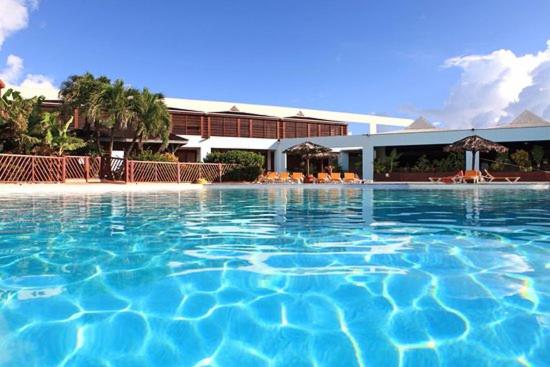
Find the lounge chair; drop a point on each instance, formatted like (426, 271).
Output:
(350, 177)
(472, 175)
(457, 178)
(322, 177)
(284, 177)
(297, 177)
(490, 178)
(335, 177)
(270, 177)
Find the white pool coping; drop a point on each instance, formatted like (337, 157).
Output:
(93, 188)
(398, 186)
(100, 188)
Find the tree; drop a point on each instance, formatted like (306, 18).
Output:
(521, 158)
(113, 108)
(151, 119)
(247, 165)
(57, 136)
(78, 92)
(18, 117)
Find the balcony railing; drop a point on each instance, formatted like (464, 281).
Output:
(44, 169)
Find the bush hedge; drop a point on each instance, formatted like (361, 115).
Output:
(148, 155)
(248, 167)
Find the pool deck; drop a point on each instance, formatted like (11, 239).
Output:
(99, 188)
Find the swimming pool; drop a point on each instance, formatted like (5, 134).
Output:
(276, 277)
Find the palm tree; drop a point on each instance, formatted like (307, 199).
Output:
(151, 119)
(112, 107)
(78, 92)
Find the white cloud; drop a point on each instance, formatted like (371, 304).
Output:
(495, 87)
(29, 85)
(37, 85)
(13, 70)
(14, 16)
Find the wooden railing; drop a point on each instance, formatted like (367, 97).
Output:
(44, 169)
(81, 167)
(142, 171)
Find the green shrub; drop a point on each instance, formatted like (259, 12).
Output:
(148, 155)
(422, 165)
(452, 162)
(248, 165)
(388, 163)
(500, 163)
(538, 155)
(521, 158)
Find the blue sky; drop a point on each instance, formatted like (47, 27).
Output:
(384, 57)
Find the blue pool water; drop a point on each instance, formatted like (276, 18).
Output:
(276, 277)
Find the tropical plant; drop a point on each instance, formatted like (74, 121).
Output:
(148, 155)
(18, 117)
(393, 160)
(248, 165)
(78, 92)
(500, 162)
(57, 136)
(422, 165)
(151, 119)
(521, 158)
(454, 161)
(538, 155)
(388, 163)
(112, 107)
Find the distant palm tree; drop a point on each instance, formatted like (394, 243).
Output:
(151, 119)
(78, 93)
(113, 108)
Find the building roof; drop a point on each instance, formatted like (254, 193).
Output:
(283, 112)
(420, 124)
(526, 119)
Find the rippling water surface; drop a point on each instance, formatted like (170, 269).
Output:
(276, 277)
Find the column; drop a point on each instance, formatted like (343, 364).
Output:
(280, 161)
(469, 160)
(368, 159)
(372, 128)
(203, 152)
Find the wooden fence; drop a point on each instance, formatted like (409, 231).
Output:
(142, 171)
(44, 169)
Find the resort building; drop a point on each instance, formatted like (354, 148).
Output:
(218, 126)
(200, 127)
(422, 138)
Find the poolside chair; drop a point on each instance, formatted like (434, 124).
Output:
(490, 178)
(297, 177)
(322, 177)
(472, 175)
(457, 178)
(270, 177)
(335, 177)
(284, 177)
(350, 177)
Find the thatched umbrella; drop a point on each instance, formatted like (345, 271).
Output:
(475, 144)
(309, 150)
